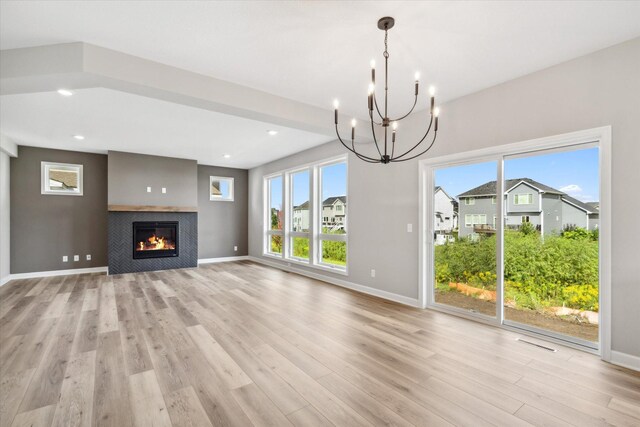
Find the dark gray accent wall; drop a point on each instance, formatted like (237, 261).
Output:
(222, 225)
(130, 174)
(46, 227)
(121, 242)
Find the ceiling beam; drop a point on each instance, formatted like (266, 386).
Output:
(82, 65)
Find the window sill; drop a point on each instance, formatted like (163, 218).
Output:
(304, 263)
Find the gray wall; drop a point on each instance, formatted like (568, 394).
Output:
(574, 216)
(600, 89)
(5, 207)
(221, 224)
(483, 205)
(46, 227)
(552, 209)
(130, 175)
(523, 189)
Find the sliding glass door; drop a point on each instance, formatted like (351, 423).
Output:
(464, 237)
(515, 239)
(551, 237)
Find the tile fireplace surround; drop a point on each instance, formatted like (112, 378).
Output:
(120, 234)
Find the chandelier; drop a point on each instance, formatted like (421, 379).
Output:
(388, 153)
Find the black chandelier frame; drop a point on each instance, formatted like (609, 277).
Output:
(385, 122)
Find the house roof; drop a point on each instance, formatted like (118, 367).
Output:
(489, 188)
(331, 200)
(68, 178)
(594, 205)
(327, 202)
(582, 205)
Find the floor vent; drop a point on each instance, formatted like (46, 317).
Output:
(537, 345)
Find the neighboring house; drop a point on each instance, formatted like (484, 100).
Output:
(63, 179)
(525, 200)
(301, 217)
(445, 212)
(334, 210)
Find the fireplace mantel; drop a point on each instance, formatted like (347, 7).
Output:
(141, 208)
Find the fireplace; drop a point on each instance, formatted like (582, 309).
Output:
(155, 239)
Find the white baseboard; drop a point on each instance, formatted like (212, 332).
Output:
(625, 360)
(5, 280)
(57, 273)
(413, 302)
(223, 259)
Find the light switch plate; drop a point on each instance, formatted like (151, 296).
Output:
(148, 189)
(164, 190)
(76, 257)
(88, 257)
(409, 228)
(65, 259)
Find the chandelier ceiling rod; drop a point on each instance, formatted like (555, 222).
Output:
(386, 24)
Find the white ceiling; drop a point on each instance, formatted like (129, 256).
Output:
(114, 120)
(313, 51)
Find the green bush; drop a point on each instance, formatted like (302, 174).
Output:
(539, 271)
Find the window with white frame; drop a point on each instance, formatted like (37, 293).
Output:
(470, 201)
(315, 209)
(220, 188)
(493, 200)
(523, 199)
(332, 236)
(299, 238)
(274, 215)
(474, 219)
(61, 179)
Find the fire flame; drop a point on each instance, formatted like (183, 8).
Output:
(154, 243)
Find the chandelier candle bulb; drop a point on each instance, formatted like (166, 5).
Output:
(373, 70)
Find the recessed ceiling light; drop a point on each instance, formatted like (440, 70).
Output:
(65, 92)
(78, 137)
(227, 156)
(272, 132)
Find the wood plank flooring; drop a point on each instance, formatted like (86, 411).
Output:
(241, 344)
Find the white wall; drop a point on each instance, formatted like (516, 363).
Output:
(4, 217)
(599, 89)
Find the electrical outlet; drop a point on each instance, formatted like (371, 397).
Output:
(65, 259)
(164, 190)
(76, 258)
(235, 248)
(88, 257)
(148, 189)
(373, 273)
(409, 228)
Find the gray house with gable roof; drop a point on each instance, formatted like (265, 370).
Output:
(525, 200)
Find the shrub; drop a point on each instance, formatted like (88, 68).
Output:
(581, 297)
(538, 271)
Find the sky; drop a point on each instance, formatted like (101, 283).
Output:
(573, 172)
(334, 183)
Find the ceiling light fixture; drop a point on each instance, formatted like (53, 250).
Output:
(227, 156)
(78, 137)
(272, 132)
(389, 155)
(65, 92)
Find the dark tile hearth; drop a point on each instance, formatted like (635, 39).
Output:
(120, 251)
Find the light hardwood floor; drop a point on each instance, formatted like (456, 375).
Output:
(242, 344)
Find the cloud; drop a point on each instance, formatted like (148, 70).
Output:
(571, 189)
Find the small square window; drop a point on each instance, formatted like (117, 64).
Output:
(61, 179)
(220, 189)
